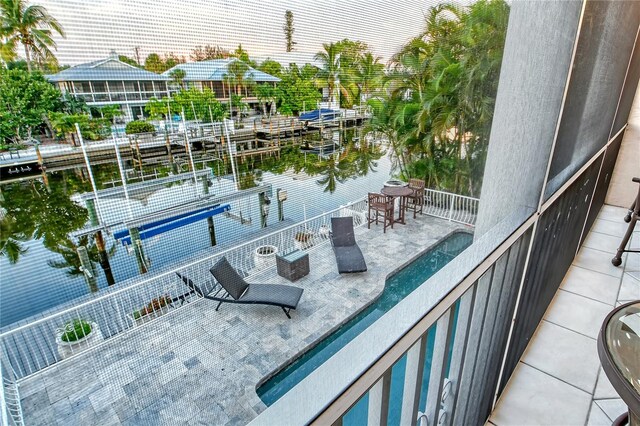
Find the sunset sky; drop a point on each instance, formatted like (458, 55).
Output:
(94, 27)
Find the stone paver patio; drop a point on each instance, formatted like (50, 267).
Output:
(198, 366)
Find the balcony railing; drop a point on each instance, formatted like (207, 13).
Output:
(453, 207)
(10, 398)
(122, 96)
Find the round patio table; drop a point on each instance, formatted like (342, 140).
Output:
(398, 192)
(619, 352)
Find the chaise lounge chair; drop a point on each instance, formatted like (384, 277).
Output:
(348, 254)
(236, 290)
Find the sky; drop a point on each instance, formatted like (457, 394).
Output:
(95, 27)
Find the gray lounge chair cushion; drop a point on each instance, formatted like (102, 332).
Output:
(348, 255)
(349, 259)
(273, 294)
(342, 234)
(228, 278)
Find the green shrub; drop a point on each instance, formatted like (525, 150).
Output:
(139, 126)
(75, 330)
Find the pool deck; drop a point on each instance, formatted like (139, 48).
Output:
(201, 366)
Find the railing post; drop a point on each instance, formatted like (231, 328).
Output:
(451, 201)
(412, 383)
(379, 401)
(3, 402)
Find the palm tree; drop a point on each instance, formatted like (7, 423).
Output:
(369, 72)
(30, 25)
(329, 75)
(11, 239)
(177, 77)
(266, 94)
(236, 77)
(7, 47)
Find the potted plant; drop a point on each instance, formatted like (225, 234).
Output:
(303, 240)
(265, 256)
(77, 335)
(154, 309)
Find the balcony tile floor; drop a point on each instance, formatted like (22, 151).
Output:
(197, 365)
(559, 380)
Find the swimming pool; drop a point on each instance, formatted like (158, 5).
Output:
(397, 287)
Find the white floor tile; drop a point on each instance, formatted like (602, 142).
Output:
(596, 260)
(597, 417)
(603, 242)
(564, 354)
(577, 313)
(612, 213)
(633, 262)
(617, 229)
(593, 285)
(533, 397)
(630, 288)
(613, 408)
(604, 388)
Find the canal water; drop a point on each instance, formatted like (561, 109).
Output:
(40, 217)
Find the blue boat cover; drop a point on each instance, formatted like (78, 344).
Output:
(315, 114)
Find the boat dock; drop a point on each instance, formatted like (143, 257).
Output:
(262, 137)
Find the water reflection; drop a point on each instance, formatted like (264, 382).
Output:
(43, 252)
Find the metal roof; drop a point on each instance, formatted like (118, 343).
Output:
(216, 70)
(105, 69)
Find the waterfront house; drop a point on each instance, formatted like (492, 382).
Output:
(110, 81)
(217, 75)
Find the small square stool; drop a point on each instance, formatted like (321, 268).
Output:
(293, 265)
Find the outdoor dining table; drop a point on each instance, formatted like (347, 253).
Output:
(398, 192)
(618, 349)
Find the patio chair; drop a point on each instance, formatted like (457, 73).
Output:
(348, 255)
(415, 201)
(380, 206)
(236, 290)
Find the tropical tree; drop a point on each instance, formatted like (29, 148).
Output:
(51, 218)
(271, 67)
(441, 91)
(154, 63)
(8, 50)
(289, 30)
(339, 70)
(243, 55)
(12, 239)
(73, 104)
(30, 25)
(266, 94)
(236, 81)
(177, 77)
(128, 60)
(25, 99)
(70, 261)
(92, 129)
(203, 53)
(368, 72)
(329, 73)
(297, 90)
(110, 112)
(196, 104)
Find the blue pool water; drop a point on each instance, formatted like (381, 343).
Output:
(397, 287)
